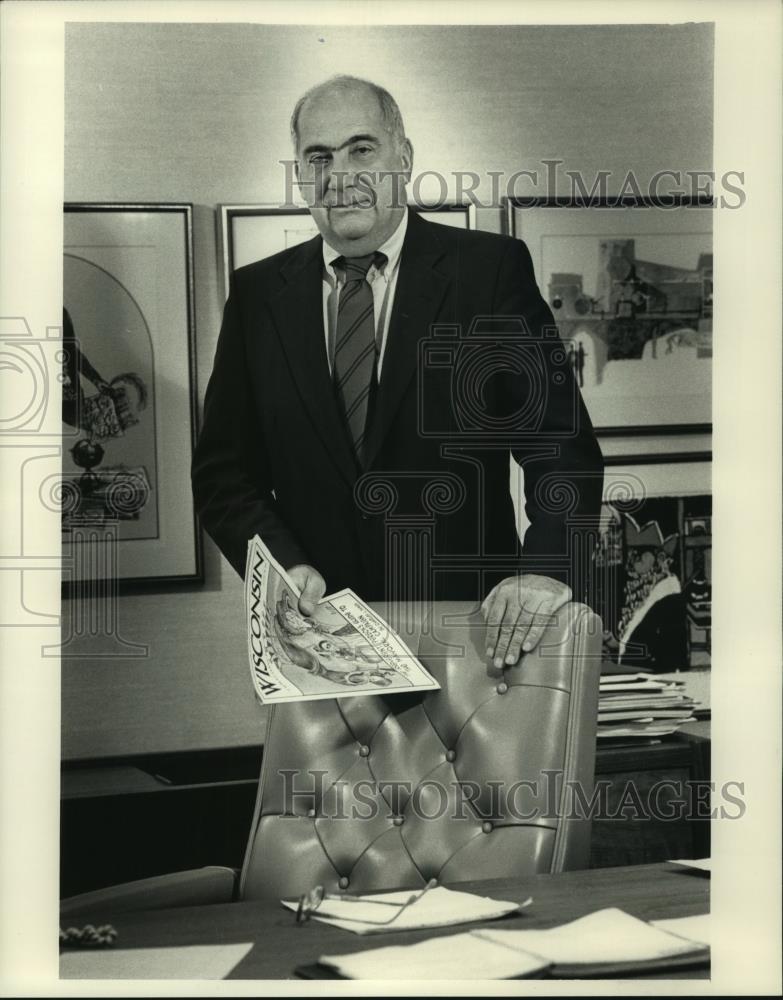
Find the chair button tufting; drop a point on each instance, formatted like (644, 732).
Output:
(451, 755)
(344, 882)
(502, 687)
(364, 750)
(486, 826)
(398, 820)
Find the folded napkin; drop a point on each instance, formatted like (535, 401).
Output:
(439, 907)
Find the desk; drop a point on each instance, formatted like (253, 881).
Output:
(683, 758)
(648, 891)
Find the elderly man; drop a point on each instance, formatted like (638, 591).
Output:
(369, 385)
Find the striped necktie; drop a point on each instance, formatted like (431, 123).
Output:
(354, 348)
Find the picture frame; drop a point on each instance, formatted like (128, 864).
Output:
(629, 282)
(129, 395)
(660, 547)
(252, 232)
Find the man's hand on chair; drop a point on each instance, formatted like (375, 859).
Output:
(516, 612)
(311, 584)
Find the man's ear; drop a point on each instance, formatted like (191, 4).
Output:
(406, 156)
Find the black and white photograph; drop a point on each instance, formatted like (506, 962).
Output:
(464, 324)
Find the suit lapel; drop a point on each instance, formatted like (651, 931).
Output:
(297, 310)
(419, 293)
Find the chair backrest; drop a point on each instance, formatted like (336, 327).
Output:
(469, 782)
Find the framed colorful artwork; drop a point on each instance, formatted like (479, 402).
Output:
(129, 403)
(252, 232)
(629, 284)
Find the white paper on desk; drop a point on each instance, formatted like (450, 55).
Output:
(693, 928)
(662, 728)
(703, 864)
(439, 907)
(203, 961)
(623, 678)
(609, 935)
(641, 687)
(459, 956)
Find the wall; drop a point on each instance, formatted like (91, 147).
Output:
(198, 113)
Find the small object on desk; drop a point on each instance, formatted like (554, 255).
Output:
(607, 942)
(88, 936)
(700, 864)
(432, 907)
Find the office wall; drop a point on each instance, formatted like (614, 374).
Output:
(198, 113)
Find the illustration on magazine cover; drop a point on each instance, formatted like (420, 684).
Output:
(343, 649)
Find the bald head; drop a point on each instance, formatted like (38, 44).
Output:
(343, 87)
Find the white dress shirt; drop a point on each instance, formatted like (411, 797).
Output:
(383, 284)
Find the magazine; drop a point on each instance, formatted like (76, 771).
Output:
(343, 650)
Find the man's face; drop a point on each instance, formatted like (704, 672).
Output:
(350, 170)
(640, 562)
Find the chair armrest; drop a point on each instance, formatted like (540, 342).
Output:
(197, 887)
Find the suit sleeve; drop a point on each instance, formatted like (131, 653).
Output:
(232, 485)
(554, 441)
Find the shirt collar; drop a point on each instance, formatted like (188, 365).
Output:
(392, 248)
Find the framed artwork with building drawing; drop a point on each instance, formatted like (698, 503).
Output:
(629, 284)
(129, 410)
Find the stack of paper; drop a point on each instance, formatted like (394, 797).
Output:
(607, 942)
(642, 705)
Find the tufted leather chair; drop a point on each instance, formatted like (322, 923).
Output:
(372, 793)
(368, 793)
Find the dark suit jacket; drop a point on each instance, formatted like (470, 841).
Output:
(473, 368)
(660, 641)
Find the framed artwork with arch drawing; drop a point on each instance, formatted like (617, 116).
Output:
(128, 396)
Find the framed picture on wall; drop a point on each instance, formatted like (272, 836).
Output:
(652, 579)
(630, 287)
(129, 402)
(252, 232)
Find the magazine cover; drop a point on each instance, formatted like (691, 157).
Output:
(343, 650)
